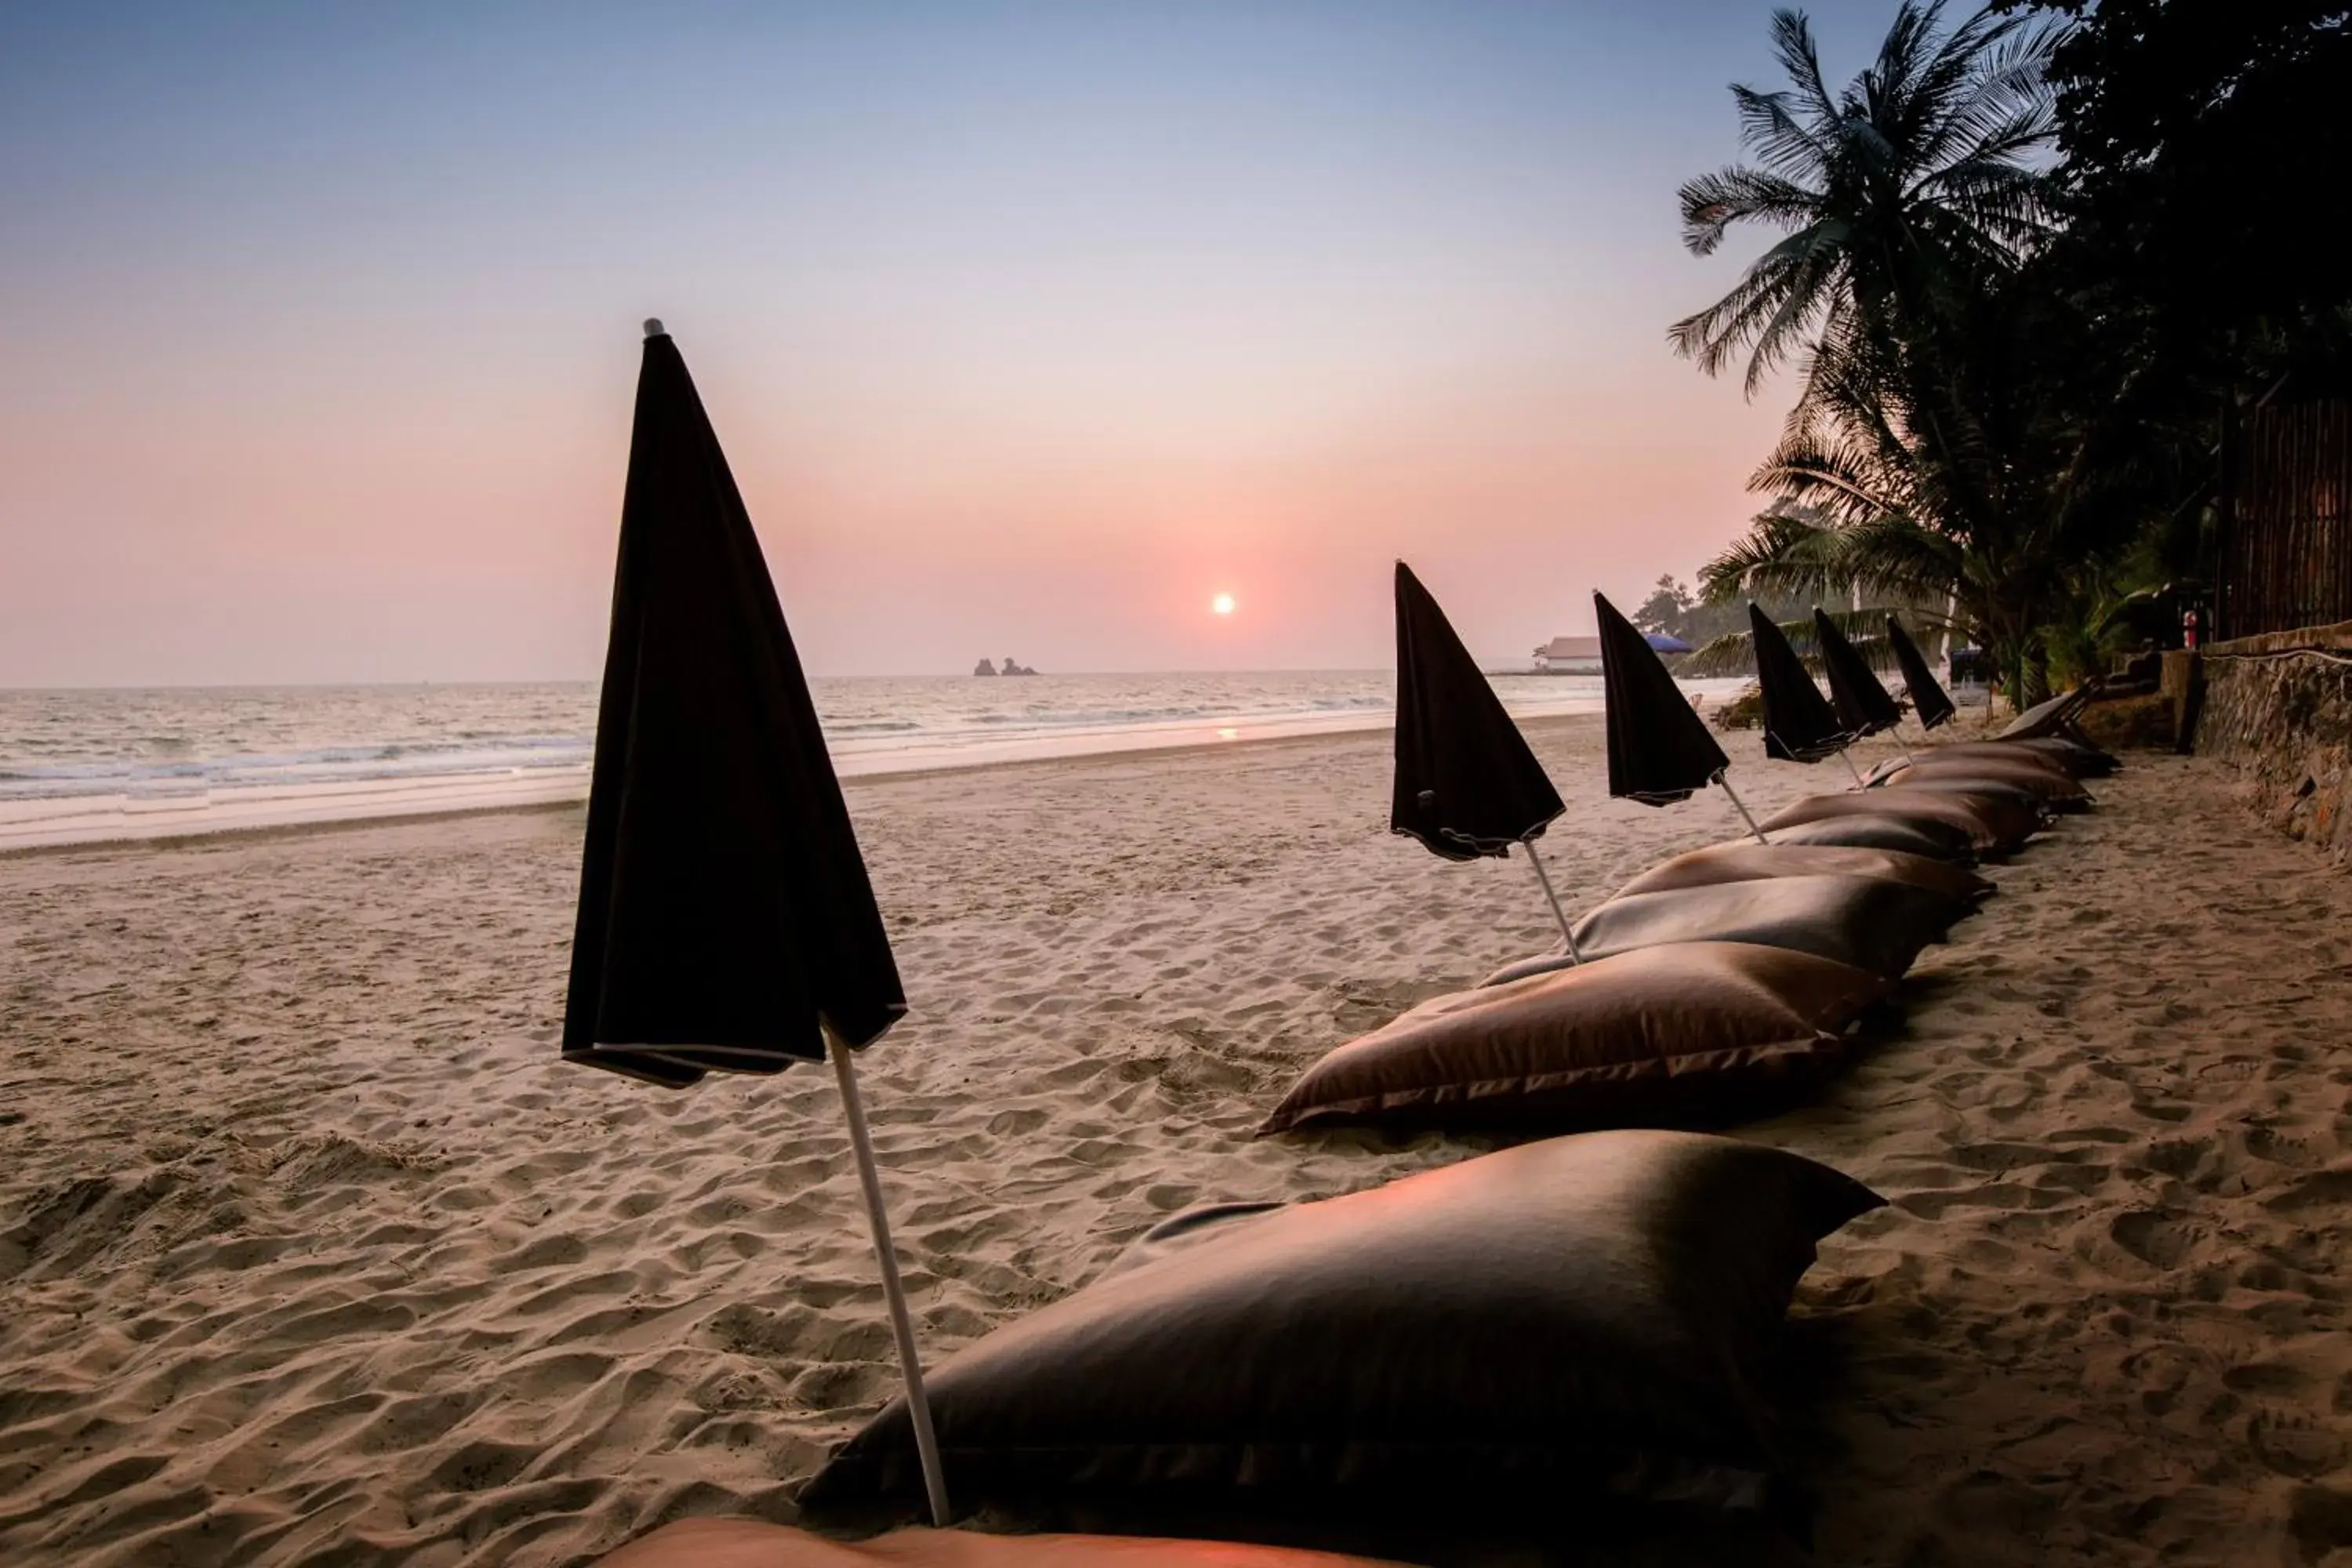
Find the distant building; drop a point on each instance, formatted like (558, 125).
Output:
(1570, 656)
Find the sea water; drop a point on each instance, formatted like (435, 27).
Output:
(87, 764)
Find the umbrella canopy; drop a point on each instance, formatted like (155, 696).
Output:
(1928, 699)
(1660, 643)
(1863, 705)
(1466, 785)
(1660, 751)
(1799, 725)
(725, 913)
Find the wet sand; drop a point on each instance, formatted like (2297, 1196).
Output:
(310, 1252)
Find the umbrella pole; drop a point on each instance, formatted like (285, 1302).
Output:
(1742, 806)
(1847, 758)
(902, 1327)
(1559, 914)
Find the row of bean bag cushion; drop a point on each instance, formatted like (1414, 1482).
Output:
(1579, 1318)
(749, 1543)
(1673, 1036)
(1555, 1327)
(1722, 1017)
(1565, 1323)
(1873, 923)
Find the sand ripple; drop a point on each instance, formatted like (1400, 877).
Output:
(310, 1253)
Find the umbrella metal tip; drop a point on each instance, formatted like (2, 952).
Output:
(654, 327)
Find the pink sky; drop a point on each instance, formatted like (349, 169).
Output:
(329, 385)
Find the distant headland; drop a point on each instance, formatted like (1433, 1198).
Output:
(1011, 666)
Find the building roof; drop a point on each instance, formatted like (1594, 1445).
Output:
(1570, 647)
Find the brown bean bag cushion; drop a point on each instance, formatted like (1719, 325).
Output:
(1994, 824)
(1583, 1316)
(2001, 753)
(2078, 755)
(1981, 791)
(2056, 753)
(2056, 791)
(1865, 921)
(2000, 756)
(1696, 1031)
(1906, 834)
(1745, 860)
(748, 1543)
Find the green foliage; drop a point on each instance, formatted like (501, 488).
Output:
(1673, 610)
(2196, 134)
(1978, 438)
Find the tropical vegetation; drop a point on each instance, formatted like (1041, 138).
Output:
(2007, 393)
(1673, 610)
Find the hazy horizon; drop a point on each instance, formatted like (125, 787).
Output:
(1027, 329)
(591, 678)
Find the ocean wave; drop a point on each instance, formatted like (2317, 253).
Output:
(174, 744)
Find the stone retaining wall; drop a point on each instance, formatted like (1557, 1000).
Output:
(2279, 707)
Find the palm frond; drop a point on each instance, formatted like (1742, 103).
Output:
(1782, 143)
(1711, 204)
(1917, 171)
(1793, 46)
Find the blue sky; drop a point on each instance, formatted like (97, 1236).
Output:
(1027, 327)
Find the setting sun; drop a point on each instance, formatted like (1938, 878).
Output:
(1222, 604)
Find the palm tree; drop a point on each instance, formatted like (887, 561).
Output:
(2019, 514)
(1795, 554)
(1935, 455)
(1914, 178)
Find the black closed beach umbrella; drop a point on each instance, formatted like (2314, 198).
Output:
(1928, 699)
(1466, 785)
(1863, 705)
(726, 920)
(1799, 725)
(1660, 750)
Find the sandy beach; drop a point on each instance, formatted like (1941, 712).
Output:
(312, 1252)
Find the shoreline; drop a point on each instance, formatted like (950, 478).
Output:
(129, 765)
(259, 830)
